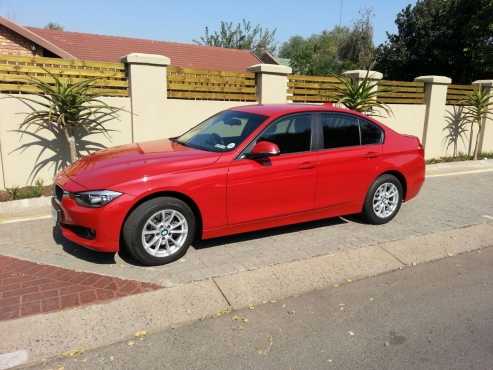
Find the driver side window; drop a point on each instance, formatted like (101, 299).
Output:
(291, 134)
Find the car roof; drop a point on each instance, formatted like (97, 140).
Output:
(281, 109)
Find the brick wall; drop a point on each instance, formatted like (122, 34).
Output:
(14, 44)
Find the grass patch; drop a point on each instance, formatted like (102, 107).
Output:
(25, 192)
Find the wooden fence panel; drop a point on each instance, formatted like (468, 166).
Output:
(456, 94)
(401, 92)
(194, 84)
(312, 89)
(15, 71)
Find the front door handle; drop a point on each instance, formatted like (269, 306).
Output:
(371, 154)
(306, 165)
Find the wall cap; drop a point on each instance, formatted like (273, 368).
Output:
(149, 59)
(270, 68)
(360, 74)
(439, 80)
(486, 83)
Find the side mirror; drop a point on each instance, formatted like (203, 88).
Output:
(263, 149)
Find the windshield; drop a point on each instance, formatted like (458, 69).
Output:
(222, 132)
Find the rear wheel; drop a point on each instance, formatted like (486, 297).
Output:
(159, 231)
(383, 200)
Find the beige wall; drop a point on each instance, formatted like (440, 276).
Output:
(176, 116)
(150, 115)
(2, 173)
(406, 119)
(488, 136)
(462, 147)
(17, 165)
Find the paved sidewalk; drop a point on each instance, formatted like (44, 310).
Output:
(445, 203)
(33, 338)
(452, 214)
(27, 288)
(433, 316)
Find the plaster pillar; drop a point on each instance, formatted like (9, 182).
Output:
(435, 100)
(147, 85)
(271, 82)
(360, 74)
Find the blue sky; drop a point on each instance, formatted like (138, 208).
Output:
(184, 21)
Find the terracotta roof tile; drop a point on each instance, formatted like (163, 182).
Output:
(112, 48)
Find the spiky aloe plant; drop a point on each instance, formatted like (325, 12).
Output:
(360, 95)
(456, 128)
(479, 106)
(70, 111)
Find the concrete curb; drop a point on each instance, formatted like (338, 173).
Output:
(454, 166)
(14, 206)
(102, 324)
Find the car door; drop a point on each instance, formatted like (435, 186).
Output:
(279, 185)
(348, 162)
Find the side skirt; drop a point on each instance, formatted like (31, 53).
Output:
(290, 219)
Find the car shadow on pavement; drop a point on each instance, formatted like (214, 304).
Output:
(89, 255)
(268, 233)
(81, 252)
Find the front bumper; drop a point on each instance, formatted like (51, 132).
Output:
(94, 228)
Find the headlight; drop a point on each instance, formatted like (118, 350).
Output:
(97, 198)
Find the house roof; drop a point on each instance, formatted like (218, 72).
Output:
(113, 48)
(87, 46)
(32, 36)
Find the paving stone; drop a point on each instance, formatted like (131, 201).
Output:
(24, 292)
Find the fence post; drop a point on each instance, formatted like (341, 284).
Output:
(360, 74)
(272, 82)
(487, 86)
(435, 100)
(147, 83)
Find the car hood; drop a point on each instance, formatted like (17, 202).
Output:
(108, 168)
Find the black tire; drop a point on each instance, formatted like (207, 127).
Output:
(368, 210)
(135, 223)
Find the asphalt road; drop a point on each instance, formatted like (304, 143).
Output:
(432, 316)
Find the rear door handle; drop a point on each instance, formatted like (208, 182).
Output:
(306, 165)
(371, 154)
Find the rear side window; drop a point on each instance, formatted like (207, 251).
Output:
(370, 133)
(339, 131)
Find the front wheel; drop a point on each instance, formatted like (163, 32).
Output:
(383, 200)
(159, 231)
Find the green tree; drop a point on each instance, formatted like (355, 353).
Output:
(317, 54)
(357, 48)
(332, 51)
(54, 26)
(447, 37)
(242, 35)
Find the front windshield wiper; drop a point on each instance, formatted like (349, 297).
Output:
(175, 140)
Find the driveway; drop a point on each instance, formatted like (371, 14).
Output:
(445, 202)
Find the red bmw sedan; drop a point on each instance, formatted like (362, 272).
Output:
(243, 169)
